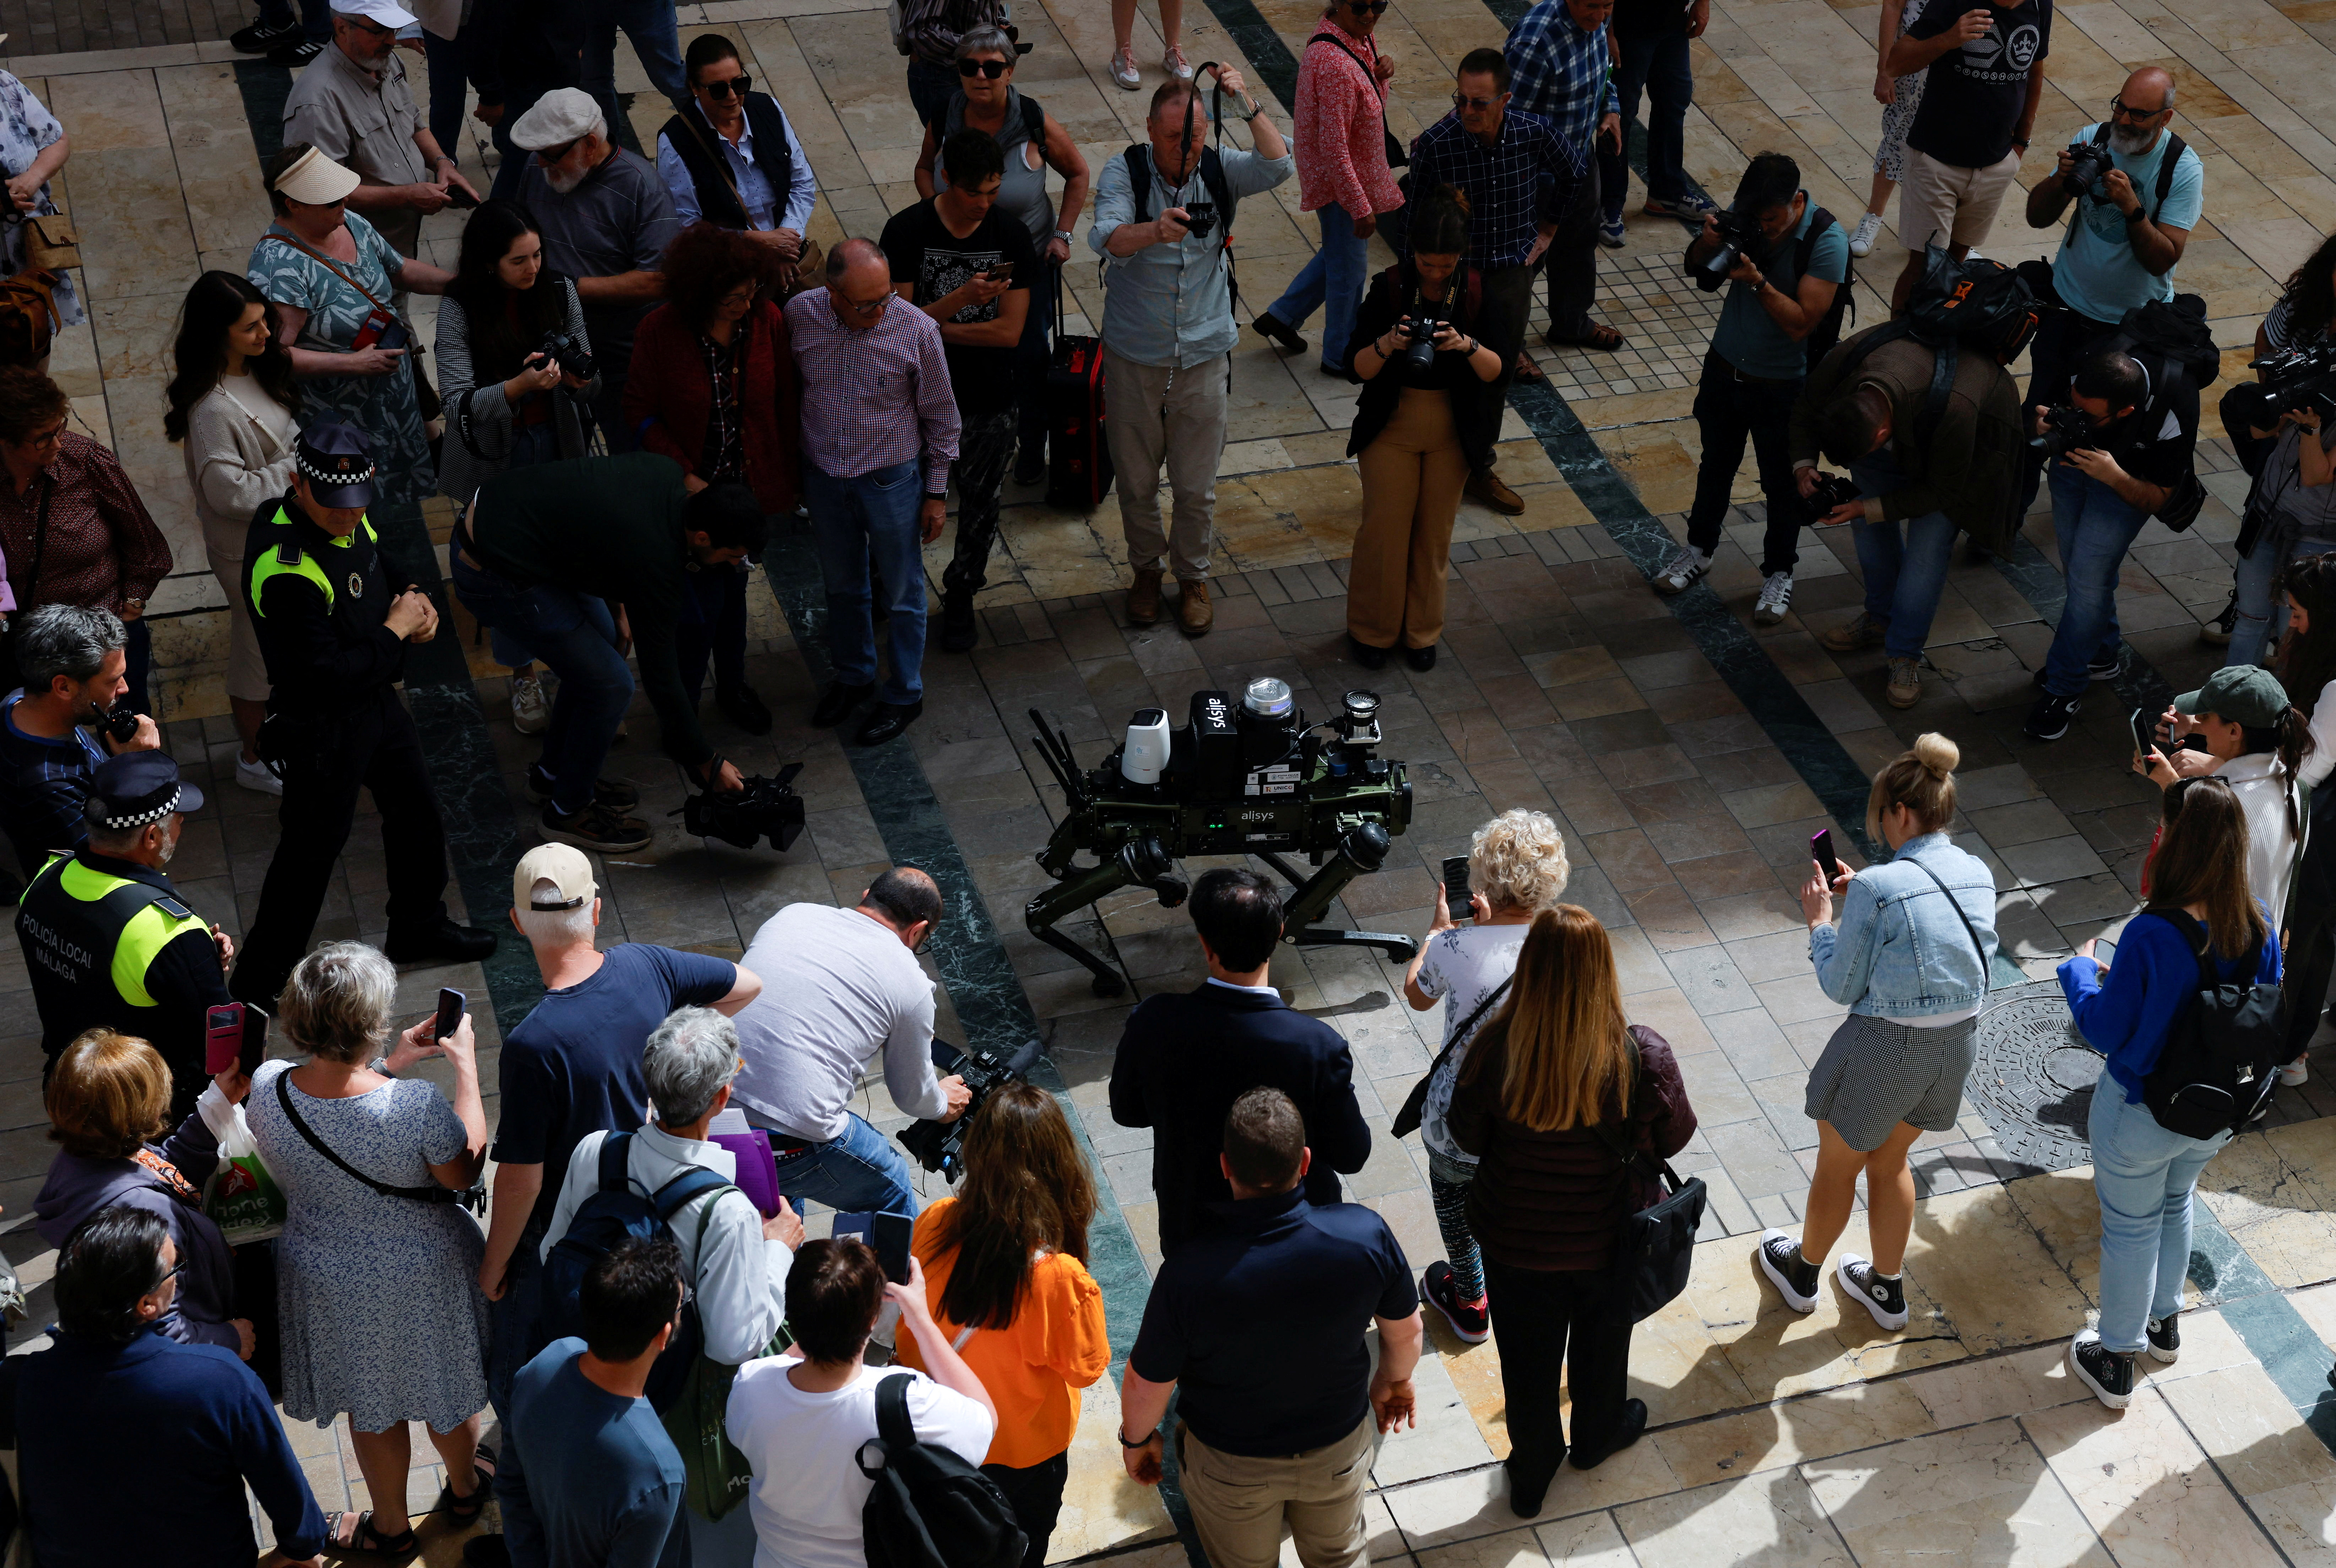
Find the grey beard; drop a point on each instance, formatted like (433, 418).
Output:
(2132, 143)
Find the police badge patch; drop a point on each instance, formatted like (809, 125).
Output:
(357, 585)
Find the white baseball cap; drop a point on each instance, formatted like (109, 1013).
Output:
(379, 12)
(563, 865)
(558, 118)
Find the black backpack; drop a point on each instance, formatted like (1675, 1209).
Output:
(2170, 340)
(926, 1507)
(1973, 304)
(2220, 1064)
(1826, 335)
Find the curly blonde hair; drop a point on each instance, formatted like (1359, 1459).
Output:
(1517, 861)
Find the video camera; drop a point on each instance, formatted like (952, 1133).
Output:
(1249, 778)
(571, 355)
(765, 807)
(1736, 230)
(2303, 377)
(936, 1144)
(2066, 428)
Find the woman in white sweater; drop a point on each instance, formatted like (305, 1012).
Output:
(230, 409)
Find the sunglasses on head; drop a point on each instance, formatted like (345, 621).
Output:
(992, 69)
(720, 90)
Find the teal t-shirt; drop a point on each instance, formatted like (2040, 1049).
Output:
(1748, 336)
(2096, 272)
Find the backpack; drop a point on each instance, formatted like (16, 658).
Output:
(26, 311)
(2171, 341)
(1975, 303)
(1826, 335)
(926, 1507)
(2220, 1064)
(612, 1215)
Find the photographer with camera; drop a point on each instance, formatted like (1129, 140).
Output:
(1422, 427)
(1185, 1057)
(2297, 336)
(2119, 448)
(2291, 514)
(839, 987)
(60, 725)
(1757, 363)
(1164, 214)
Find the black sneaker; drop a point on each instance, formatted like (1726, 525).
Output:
(596, 828)
(615, 794)
(2165, 1339)
(259, 37)
(297, 52)
(1469, 1320)
(1885, 1299)
(2107, 1374)
(1795, 1277)
(2050, 719)
(2216, 633)
(2098, 670)
(1634, 1426)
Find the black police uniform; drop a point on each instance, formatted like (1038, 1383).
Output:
(337, 725)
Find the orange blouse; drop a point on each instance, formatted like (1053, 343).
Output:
(1034, 1367)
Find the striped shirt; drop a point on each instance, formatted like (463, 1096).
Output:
(875, 396)
(1559, 72)
(1525, 178)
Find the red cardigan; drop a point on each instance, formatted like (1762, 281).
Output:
(668, 398)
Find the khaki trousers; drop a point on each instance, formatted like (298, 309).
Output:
(1150, 413)
(1413, 473)
(1240, 1504)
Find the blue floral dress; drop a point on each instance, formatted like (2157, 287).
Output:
(382, 406)
(27, 126)
(382, 1317)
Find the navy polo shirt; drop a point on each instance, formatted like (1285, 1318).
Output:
(1260, 1322)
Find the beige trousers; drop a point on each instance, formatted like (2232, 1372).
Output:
(1413, 473)
(1152, 414)
(1240, 1504)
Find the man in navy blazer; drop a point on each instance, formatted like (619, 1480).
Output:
(1184, 1059)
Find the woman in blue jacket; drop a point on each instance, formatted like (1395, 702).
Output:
(2143, 1174)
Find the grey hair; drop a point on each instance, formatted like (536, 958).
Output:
(690, 1055)
(555, 927)
(337, 1004)
(840, 259)
(987, 41)
(64, 640)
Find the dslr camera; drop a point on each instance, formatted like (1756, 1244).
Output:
(120, 725)
(767, 808)
(1833, 490)
(1200, 216)
(2302, 377)
(2087, 164)
(1427, 320)
(2066, 428)
(571, 355)
(936, 1144)
(1736, 230)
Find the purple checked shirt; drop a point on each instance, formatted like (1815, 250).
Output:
(873, 397)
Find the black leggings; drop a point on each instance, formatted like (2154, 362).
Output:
(1036, 1493)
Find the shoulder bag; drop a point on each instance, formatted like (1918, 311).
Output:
(1407, 1120)
(424, 393)
(472, 1198)
(1654, 1248)
(1973, 931)
(1396, 156)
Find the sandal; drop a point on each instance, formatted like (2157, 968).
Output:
(1599, 336)
(1525, 369)
(462, 1510)
(364, 1537)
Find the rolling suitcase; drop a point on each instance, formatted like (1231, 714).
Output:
(1078, 463)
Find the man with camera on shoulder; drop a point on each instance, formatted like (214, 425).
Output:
(2119, 442)
(60, 725)
(1784, 262)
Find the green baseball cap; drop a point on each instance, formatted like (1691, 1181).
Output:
(2237, 694)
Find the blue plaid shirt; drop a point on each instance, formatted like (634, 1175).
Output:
(1525, 178)
(1560, 72)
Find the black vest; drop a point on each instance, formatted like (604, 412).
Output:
(70, 946)
(693, 142)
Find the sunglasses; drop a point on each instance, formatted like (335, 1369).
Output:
(1374, 7)
(551, 156)
(721, 90)
(1462, 101)
(992, 69)
(2117, 110)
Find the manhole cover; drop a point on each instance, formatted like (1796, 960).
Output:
(2032, 1077)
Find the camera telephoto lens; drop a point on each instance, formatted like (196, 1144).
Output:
(2087, 164)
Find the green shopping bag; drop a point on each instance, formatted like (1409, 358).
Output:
(718, 1473)
(241, 1198)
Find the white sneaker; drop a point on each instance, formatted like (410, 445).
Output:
(1861, 240)
(1685, 568)
(2295, 1073)
(1124, 71)
(1174, 63)
(1776, 598)
(255, 775)
(530, 711)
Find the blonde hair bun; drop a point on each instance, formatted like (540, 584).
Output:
(1937, 754)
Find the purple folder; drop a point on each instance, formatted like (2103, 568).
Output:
(758, 1172)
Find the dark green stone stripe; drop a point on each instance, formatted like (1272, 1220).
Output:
(2265, 1321)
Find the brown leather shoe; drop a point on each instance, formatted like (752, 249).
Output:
(1144, 599)
(1486, 486)
(1193, 611)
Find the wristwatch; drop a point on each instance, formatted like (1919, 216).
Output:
(931, 495)
(1142, 1442)
(1064, 235)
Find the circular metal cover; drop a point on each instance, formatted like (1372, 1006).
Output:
(2032, 1077)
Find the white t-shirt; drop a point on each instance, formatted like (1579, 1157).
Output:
(1464, 966)
(808, 1490)
(2264, 792)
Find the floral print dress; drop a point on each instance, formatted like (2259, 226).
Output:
(382, 406)
(26, 127)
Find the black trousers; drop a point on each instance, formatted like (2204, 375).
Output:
(713, 625)
(1036, 1493)
(1729, 411)
(372, 746)
(1546, 1320)
(1572, 261)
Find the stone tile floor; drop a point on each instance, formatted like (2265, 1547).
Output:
(1565, 685)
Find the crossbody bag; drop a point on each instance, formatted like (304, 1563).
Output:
(424, 393)
(1396, 156)
(1973, 931)
(1407, 1120)
(472, 1198)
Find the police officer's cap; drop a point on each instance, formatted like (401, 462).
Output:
(137, 789)
(336, 460)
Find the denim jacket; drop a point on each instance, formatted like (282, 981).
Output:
(1899, 950)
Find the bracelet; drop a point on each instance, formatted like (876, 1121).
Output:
(1142, 1442)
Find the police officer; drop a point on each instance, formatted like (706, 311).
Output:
(334, 613)
(107, 939)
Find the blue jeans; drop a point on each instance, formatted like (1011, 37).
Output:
(2261, 621)
(656, 33)
(875, 513)
(2144, 1176)
(2095, 526)
(512, 1321)
(1332, 278)
(1905, 568)
(576, 637)
(859, 1171)
(449, 83)
(1660, 66)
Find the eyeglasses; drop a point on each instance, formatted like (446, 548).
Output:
(1374, 8)
(718, 90)
(551, 157)
(373, 28)
(2119, 110)
(862, 307)
(992, 69)
(1462, 101)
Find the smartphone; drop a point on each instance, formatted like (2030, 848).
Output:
(450, 1004)
(888, 1234)
(1001, 273)
(457, 197)
(1456, 887)
(254, 1048)
(1821, 851)
(222, 1037)
(2144, 733)
(393, 336)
